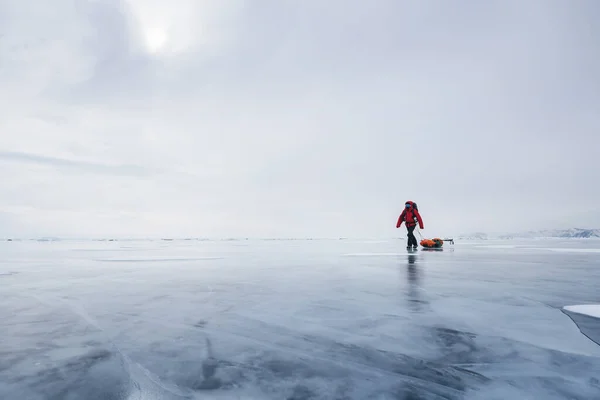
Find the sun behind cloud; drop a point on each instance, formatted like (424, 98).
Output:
(155, 39)
(179, 26)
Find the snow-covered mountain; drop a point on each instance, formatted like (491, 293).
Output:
(575, 233)
(474, 236)
(557, 233)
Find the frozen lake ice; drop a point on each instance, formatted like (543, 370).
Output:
(315, 319)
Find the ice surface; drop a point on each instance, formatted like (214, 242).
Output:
(319, 319)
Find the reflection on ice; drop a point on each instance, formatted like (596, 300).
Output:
(414, 276)
(283, 320)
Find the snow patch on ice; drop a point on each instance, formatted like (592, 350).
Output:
(573, 250)
(567, 250)
(498, 246)
(373, 254)
(591, 310)
(137, 260)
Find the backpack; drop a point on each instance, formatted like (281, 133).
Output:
(416, 221)
(415, 206)
(414, 216)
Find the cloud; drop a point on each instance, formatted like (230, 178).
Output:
(235, 118)
(81, 166)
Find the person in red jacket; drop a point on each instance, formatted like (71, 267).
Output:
(410, 216)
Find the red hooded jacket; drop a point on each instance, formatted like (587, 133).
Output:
(408, 216)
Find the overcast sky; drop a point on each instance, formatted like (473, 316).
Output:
(297, 118)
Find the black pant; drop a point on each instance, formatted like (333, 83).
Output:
(412, 240)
